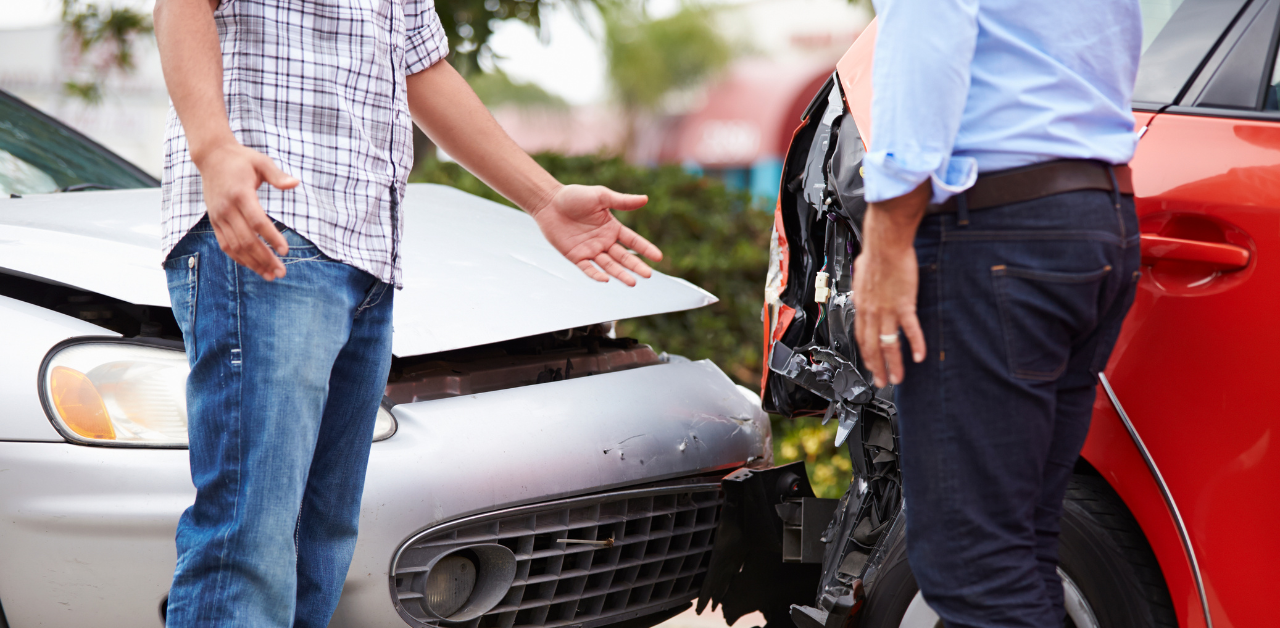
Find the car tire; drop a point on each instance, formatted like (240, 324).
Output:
(1102, 553)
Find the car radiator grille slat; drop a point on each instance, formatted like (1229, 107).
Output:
(662, 539)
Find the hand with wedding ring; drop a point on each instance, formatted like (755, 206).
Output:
(886, 276)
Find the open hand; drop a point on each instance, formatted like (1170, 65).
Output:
(884, 297)
(886, 276)
(231, 176)
(577, 221)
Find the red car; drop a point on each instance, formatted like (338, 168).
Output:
(1173, 515)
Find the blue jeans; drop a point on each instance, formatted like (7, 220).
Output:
(286, 378)
(1020, 309)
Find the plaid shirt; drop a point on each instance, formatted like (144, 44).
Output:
(318, 86)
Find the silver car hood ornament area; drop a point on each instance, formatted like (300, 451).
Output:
(475, 272)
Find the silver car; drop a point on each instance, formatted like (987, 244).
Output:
(530, 469)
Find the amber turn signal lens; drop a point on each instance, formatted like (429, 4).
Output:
(79, 404)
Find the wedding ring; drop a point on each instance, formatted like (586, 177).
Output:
(888, 339)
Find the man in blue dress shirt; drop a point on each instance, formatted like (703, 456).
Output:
(1001, 240)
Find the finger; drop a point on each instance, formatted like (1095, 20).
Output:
(271, 173)
(611, 266)
(247, 249)
(624, 202)
(915, 336)
(892, 351)
(636, 242)
(257, 220)
(868, 327)
(235, 238)
(591, 271)
(633, 263)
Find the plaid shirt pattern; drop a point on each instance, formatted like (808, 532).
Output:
(319, 87)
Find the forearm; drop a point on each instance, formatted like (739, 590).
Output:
(450, 113)
(889, 227)
(192, 63)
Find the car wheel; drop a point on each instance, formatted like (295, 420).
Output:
(1110, 577)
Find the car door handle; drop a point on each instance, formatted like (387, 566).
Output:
(1217, 255)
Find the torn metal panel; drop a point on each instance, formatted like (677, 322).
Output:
(820, 212)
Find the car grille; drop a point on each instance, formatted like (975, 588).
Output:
(661, 546)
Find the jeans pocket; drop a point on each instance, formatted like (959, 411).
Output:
(1041, 313)
(183, 274)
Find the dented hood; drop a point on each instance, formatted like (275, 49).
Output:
(475, 272)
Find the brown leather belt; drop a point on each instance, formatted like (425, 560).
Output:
(1028, 183)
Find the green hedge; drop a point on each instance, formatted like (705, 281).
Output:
(715, 238)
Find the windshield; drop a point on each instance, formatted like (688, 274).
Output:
(39, 155)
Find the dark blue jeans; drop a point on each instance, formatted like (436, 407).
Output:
(286, 378)
(1020, 310)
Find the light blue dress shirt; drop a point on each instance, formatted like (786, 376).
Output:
(967, 86)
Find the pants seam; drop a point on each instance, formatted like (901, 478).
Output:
(239, 393)
(375, 294)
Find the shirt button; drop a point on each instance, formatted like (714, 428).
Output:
(191, 262)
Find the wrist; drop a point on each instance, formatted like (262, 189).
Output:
(202, 149)
(544, 199)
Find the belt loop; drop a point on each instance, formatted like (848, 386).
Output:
(1115, 186)
(962, 210)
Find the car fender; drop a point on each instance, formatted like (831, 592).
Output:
(1113, 452)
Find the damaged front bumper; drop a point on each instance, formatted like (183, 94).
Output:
(778, 544)
(89, 530)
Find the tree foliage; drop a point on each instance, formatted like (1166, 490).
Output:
(469, 24)
(648, 58)
(103, 38)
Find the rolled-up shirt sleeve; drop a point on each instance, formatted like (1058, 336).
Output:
(425, 39)
(920, 83)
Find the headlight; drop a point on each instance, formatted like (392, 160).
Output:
(113, 392)
(383, 426)
(127, 394)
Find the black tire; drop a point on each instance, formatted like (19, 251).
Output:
(892, 591)
(1101, 548)
(1106, 554)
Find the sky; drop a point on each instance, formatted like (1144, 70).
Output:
(570, 65)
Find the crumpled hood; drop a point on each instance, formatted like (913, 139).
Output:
(475, 272)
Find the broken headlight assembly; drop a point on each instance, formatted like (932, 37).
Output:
(778, 542)
(126, 393)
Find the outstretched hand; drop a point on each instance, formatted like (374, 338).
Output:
(577, 221)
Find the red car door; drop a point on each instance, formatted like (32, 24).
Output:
(1195, 367)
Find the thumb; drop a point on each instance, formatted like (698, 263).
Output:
(272, 173)
(625, 202)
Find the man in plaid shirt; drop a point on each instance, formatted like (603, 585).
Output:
(287, 153)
